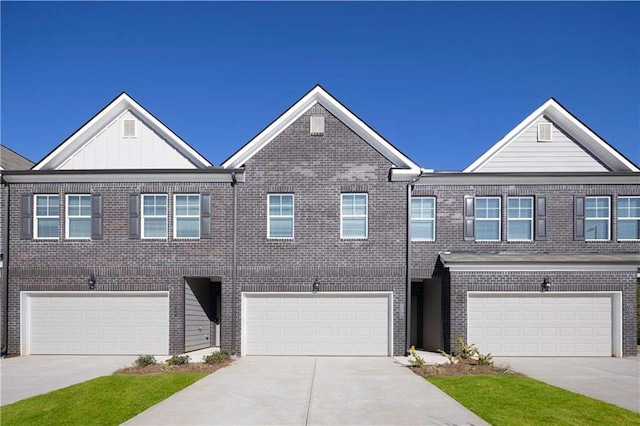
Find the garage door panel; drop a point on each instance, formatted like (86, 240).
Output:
(316, 324)
(543, 325)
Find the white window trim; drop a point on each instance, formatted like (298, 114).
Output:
(366, 216)
(520, 219)
(292, 216)
(68, 216)
(135, 128)
(499, 218)
(176, 217)
(36, 217)
(143, 217)
(419, 219)
(587, 220)
(625, 218)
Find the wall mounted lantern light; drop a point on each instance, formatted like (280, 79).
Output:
(546, 284)
(91, 281)
(316, 286)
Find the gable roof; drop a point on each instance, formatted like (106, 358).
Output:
(11, 160)
(403, 165)
(103, 118)
(588, 139)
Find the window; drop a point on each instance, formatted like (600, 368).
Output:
(186, 216)
(47, 216)
(129, 128)
(78, 216)
(629, 218)
(154, 216)
(520, 219)
(280, 216)
(596, 218)
(423, 218)
(487, 223)
(354, 221)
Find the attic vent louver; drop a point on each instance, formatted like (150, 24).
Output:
(544, 132)
(317, 125)
(129, 128)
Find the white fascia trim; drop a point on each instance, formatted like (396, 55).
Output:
(541, 267)
(121, 177)
(404, 175)
(319, 95)
(550, 107)
(124, 102)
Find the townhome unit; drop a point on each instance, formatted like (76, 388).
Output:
(319, 237)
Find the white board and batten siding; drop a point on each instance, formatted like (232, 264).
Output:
(109, 149)
(525, 154)
(94, 323)
(549, 324)
(342, 324)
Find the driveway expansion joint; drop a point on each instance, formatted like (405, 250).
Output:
(313, 378)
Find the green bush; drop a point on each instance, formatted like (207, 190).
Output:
(484, 359)
(417, 360)
(178, 360)
(216, 357)
(464, 350)
(144, 360)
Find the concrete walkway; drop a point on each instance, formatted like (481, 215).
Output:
(27, 376)
(310, 391)
(614, 380)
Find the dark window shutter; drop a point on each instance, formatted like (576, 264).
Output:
(469, 218)
(26, 224)
(96, 216)
(134, 216)
(578, 218)
(541, 218)
(205, 216)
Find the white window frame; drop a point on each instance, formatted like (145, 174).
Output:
(493, 219)
(530, 220)
(626, 218)
(292, 216)
(143, 217)
(68, 216)
(588, 219)
(366, 216)
(135, 128)
(36, 217)
(176, 216)
(420, 219)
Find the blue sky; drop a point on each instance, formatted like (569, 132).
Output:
(441, 81)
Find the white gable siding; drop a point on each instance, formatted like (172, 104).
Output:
(109, 150)
(525, 154)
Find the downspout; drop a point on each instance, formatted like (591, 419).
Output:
(5, 266)
(234, 262)
(408, 266)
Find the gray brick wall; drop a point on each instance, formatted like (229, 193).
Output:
(119, 264)
(317, 169)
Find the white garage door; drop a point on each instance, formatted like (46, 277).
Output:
(96, 323)
(541, 324)
(316, 324)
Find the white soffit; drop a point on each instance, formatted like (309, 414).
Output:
(106, 116)
(319, 95)
(570, 124)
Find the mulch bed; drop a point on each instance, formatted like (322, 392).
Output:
(464, 367)
(192, 367)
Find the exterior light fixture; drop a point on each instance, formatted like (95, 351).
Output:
(316, 286)
(546, 284)
(91, 281)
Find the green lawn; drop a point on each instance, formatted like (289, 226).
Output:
(517, 400)
(108, 400)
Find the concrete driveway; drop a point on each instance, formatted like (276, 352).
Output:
(309, 391)
(26, 376)
(614, 380)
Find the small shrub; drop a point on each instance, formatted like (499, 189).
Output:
(216, 357)
(463, 350)
(417, 360)
(450, 357)
(505, 369)
(433, 369)
(468, 368)
(144, 360)
(484, 359)
(178, 360)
